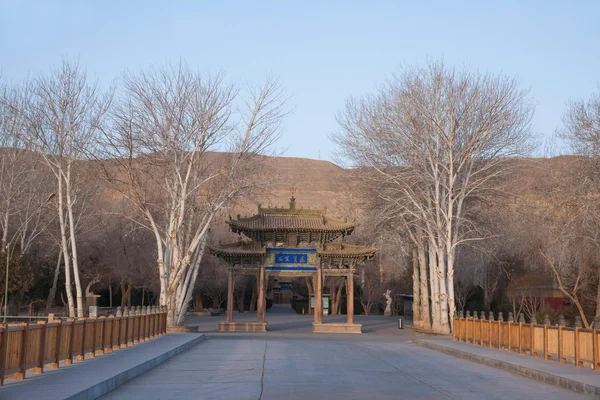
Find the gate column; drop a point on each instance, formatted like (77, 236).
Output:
(350, 298)
(260, 302)
(230, 295)
(318, 296)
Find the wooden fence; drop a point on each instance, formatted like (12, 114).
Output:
(573, 345)
(45, 344)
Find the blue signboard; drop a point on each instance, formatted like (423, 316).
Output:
(290, 269)
(287, 258)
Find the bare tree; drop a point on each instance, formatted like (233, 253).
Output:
(63, 116)
(438, 137)
(166, 124)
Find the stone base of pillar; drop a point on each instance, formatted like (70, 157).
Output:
(242, 326)
(337, 328)
(183, 329)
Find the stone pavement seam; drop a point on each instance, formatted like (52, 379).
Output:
(528, 372)
(262, 377)
(402, 372)
(97, 390)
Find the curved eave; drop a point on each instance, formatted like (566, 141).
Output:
(236, 251)
(241, 228)
(366, 255)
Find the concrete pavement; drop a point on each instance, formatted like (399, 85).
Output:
(93, 378)
(247, 368)
(582, 380)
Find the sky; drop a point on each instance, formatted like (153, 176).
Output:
(323, 52)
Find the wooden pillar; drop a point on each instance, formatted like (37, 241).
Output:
(350, 298)
(260, 301)
(230, 295)
(319, 297)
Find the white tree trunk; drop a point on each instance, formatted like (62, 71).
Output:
(417, 320)
(65, 249)
(434, 286)
(52, 295)
(74, 258)
(443, 292)
(425, 308)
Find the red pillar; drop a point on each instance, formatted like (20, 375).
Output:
(350, 298)
(230, 295)
(260, 302)
(318, 297)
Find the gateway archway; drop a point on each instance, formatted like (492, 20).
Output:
(289, 243)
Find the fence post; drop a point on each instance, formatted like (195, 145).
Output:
(71, 343)
(500, 319)
(481, 319)
(57, 345)
(136, 325)
(490, 320)
(533, 322)
(3, 352)
(23, 360)
(127, 318)
(154, 321)
(509, 322)
(577, 336)
(42, 349)
(93, 322)
(143, 325)
(467, 318)
(102, 320)
(81, 357)
(108, 334)
(117, 321)
(521, 321)
(546, 323)
(561, 325)
(595, 348)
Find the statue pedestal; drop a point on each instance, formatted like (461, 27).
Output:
(387, 313)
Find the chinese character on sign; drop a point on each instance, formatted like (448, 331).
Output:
(291, 258)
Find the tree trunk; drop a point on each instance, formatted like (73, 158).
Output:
(598, 299)
(110, 294)
(254, 297)
(241, 297)
(416, 290)
(52, 295)
(74, 257)
(443, 288)
(125, 294)
(434, 285)
(424, 291)
(65, 249)
(198, 305)
(339, 304)
(310, 286)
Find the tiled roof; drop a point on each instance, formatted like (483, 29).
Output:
(239, 249)
(330, 250)
(338, 249)
(275, 222)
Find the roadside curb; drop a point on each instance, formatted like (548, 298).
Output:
(101, 388)
(543, 376)
(424, 332)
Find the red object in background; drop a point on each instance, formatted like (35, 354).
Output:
(555, 303)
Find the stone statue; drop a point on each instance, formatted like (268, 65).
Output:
(388, 303)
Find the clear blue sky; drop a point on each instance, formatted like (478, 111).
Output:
(322, 51)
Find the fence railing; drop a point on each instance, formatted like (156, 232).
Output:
(574, 345)
(46, 343)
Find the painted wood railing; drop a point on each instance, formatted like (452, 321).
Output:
(45, 344)
(573, 345)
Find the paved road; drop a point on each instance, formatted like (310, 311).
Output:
(290, 362)
(239, 368)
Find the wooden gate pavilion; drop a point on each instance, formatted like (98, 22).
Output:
(291, 242)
